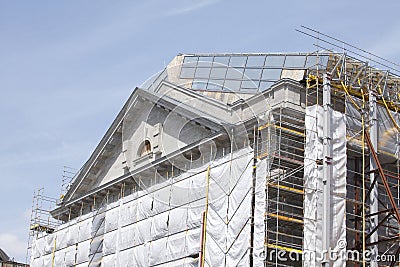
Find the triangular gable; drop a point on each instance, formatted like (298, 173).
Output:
(111, 157)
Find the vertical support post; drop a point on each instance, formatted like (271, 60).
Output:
(327, 169)
(253, 193)
(204, 224)
(373, 198)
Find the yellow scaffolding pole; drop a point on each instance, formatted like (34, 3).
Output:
(284, 218)
(286, 188)
(287, 249)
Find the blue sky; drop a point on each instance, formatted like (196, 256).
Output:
(66, 68)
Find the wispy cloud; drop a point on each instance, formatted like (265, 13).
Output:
(192, 6)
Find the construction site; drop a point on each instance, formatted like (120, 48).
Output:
(264, 159)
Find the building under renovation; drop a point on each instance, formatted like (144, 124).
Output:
(267, 159)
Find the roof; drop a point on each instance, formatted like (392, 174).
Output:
(3, 256)
(243, 73)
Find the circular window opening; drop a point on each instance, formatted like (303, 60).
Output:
(145, 148)
(193, 154)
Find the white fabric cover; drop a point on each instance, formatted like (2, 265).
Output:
(128, 213)
(127, 237)
(83, 252)
(112, 219)
(109, 261)
(110, 243)
(59, 258)
(162, 226)
(49, 246)
(70, 253)
(260, 208)
(85, 228)
(313, 175)
(62, 236)
(228, 226)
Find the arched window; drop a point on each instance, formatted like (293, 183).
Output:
(145, 148)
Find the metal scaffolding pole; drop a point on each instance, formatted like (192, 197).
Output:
(373, 198)
(327, 168)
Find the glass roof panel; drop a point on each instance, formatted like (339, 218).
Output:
(295, 61)
(275, 61)
(234, 74)
(203, 73)
(253, 74)
(231, 85)
(215, 85)
(205, 62)
(237, 61)
(189, 61)
(271, 74)
(250, 84)
(187, 73)
(255, 61)
(221, 61)
(199, 85)
(218, 73)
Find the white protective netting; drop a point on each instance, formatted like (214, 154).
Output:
(162, 225)
(313, 184)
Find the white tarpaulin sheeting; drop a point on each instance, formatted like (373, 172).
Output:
(162, 224)
(228, 225)
(259, 217)
(313, 185)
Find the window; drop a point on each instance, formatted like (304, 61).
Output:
(145, 148)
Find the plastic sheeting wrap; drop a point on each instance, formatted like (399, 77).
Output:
(126, 258)
(177, 220)
(128, 213)
(47, 261)
(162, 224)
(159, 226)
(70, 253)
(192, 245)
(59, 258)
(38, 262)
(110, 243)
(127, 237)
(388, 136)
(228, 227)
(313, 175)
(112, 219)
(39, 247)
(143, 231)
(144, 207)
(109, 261)
(161, 199)
(83, 252)
(85, 227)
(49, 244)
(62, 236)
(141, 255)
(157, 253)
(72, 235)
(260, 208)
(175, 245)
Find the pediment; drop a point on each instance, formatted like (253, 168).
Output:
(146, 117)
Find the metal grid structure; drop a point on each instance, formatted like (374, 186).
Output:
(373, 173)
(41, 220)
(284, 187)
(358, 90)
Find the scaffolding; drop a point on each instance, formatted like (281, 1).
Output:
(362, 91)
(368, 97)
(41, 220)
